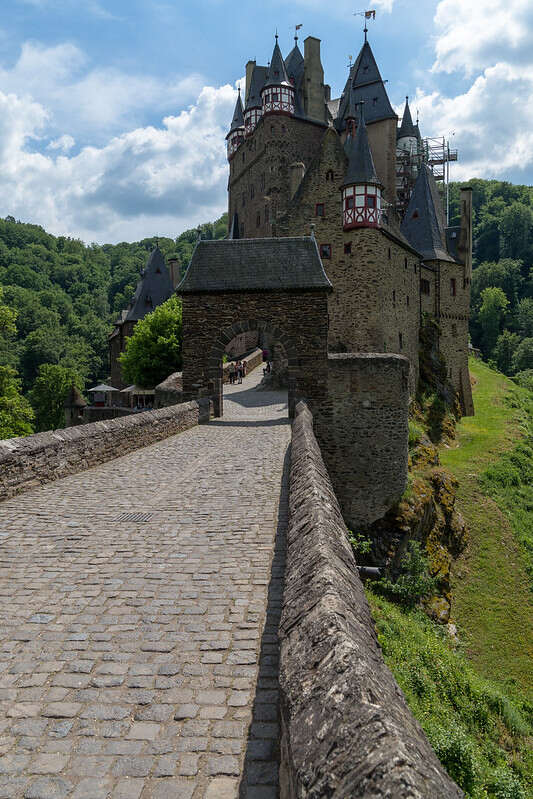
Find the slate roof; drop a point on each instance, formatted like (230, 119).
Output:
(423, 224)
(238, 116)
(407, 128)
(259, 75)
(74, 398)
(294, 63)
(277, 74)
(368, 86)
(154, 287)
(102, 387)
(361, 167)
(275, 264)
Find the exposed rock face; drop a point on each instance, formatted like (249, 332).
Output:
(346, 728)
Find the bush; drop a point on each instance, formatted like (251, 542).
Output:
(414, 583)
(416, 431)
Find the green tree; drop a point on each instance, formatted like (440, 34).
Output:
(491, 315)
(153, 352)
(524, 317)
(516, 226)
(49, 392)
(523, 357)
(16, 414)
(504, 351)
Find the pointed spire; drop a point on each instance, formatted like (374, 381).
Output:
(361, 167)
(238, 115)
(277, 74)
(423, 224)
(294, 63)
(407, 128)
(367, 84)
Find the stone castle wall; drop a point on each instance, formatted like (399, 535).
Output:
(33, 460)
(259, 172)
(346, 727)
(362, 429)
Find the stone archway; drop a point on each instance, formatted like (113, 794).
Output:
(264, 327)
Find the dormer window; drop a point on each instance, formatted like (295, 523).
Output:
(319, 209)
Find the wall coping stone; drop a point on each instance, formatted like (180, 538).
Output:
(346, 727)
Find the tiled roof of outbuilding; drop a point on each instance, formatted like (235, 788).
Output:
(154, 287)
(276, 264)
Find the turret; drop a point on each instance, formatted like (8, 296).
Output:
(235, 136)
(253, 110)
(408, 133)
(277, 94)
(361, 190)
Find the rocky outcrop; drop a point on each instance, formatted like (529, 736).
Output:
(346, 728)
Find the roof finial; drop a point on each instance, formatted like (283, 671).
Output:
(365, 31)
(276, 35)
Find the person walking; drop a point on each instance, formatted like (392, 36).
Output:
(232, 372)
(244, 368)
(239, 372)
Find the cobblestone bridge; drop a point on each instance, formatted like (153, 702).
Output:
(138, 660)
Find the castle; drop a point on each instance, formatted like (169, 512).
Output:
(300, 160)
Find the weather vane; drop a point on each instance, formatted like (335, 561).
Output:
(366, 15)
(296, 29)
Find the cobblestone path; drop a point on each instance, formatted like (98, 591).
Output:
(139, 660)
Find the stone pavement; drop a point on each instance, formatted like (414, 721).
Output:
(138, 660)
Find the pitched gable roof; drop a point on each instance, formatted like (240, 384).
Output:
(276, 264)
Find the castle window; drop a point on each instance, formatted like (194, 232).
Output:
(389, 254)
(425, 287)
(400, 341)
(252, 191)
(407, 299)
(325, 250)
(267, 214)
(450, 373)
(243, 157)
(393, 299)
(319, 209)
(347, 247)
(374, 101)
(405, 263)
(258, 220)
(284, 129)
(262, 183)
(454, 329)
(416, 269)
(330, 175)
(453, 287)
(370, 201)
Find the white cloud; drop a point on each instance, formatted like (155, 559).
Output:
(146, 181)
(64, 143)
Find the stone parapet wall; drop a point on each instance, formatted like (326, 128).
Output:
(346, 727)
(33, 460)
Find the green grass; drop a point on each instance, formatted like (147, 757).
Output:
(491, 597)
(482, 737)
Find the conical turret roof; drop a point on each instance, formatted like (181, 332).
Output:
(368, 87)
(154, 287)
(407, 128)
(423, 224)
(277, 74)
(238, 116)
(294, 63)
(361, 167)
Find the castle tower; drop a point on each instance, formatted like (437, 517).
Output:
(408, 133)
(235, 136)
(277, 94)
(253, 111)
(445, 275)
(365, 84)
(361, 190)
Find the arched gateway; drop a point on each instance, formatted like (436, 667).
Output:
(275, 286)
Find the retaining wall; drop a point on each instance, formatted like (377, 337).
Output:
(33, 460)
(346, 728)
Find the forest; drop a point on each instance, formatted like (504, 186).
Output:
(59, 298)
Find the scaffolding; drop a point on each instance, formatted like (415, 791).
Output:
(437, 154)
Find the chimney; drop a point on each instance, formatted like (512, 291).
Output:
(249, 69)
(464, 247)
(174, 269)
(297, 172)
(313, 81)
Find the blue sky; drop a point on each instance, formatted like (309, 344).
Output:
(113, 113)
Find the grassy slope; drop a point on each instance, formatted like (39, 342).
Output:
(491, 596)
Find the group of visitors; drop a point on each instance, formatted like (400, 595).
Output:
(237, 370)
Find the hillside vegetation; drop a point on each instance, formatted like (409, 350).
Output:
(474, 694)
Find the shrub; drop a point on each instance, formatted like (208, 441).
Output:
(414, 582)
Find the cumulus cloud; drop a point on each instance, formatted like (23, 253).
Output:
(148, 180)
(64, 143)
(491, 45)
